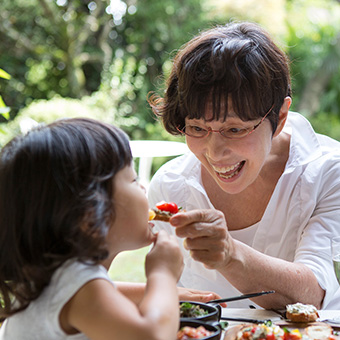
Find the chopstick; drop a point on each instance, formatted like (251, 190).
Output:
(243, 320)
(241, 297)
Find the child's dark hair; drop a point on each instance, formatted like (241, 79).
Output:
(56, 202)
(237, 64)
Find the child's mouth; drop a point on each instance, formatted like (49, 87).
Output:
(151, 227)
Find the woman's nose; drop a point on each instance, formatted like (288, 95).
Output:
(217, 146)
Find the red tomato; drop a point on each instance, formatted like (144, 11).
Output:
(270, 336)
(246, 335)
(170, 207)
(293, 335)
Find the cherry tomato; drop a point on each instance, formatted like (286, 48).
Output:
(293, 335)
(170, 207)
(246, 335)
(270, 336)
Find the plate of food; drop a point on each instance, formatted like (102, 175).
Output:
(193, 329)
(192, 310)
(302, 322)
(316, 331)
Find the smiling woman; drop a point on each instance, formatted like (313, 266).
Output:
(258, 184)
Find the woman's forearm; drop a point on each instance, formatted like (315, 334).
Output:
(250, 270)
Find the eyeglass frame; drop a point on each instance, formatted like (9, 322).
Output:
(209, 130)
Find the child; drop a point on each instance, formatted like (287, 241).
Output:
(70, 202)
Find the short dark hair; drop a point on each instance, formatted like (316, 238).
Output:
(56, 202)
(237, 62)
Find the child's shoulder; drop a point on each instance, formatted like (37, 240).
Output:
(73, 274)
(65, 283)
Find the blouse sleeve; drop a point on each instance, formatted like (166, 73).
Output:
(320, 202)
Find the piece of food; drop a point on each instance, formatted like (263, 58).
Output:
(152, 214)
(189, 310)
(293, 334)
(192, 333)
(319, 332)
(261, 331)
(299, 312)
(164, 211)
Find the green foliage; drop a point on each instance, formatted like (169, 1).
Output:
(4, 110)
(45, 111)
(85, 47)
(111, 57)
(313, 40)
(50, 49)
(327, 124)
(144, 44)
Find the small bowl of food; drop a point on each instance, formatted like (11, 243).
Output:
(192, 310)
(192, 329)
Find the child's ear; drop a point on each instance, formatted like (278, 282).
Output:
(283, 114)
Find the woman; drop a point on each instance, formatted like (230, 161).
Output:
(261, 188)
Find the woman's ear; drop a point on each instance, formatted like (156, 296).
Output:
(283, 114)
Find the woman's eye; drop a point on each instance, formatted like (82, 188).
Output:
(194, 128)
(197, 128)
(235, 130)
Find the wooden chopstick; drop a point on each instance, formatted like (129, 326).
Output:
(241, 297)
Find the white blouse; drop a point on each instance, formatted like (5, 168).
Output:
(302, 215)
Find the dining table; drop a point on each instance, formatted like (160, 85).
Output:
(234, 316)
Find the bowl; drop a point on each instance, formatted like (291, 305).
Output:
(213, 311)
(210, 326)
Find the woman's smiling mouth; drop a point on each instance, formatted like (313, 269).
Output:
(229, 171)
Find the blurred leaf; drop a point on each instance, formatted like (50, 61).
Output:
(2, 103)
(4, 74)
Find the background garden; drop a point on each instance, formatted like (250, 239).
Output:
(100, 58)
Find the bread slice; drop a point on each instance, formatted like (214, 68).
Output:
(299, 312)
(158, 215)
(319, 332)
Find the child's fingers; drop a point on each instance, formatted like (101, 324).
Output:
(162, 235)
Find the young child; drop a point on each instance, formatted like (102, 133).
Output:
(69, 203)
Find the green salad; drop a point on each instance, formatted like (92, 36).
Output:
(189, 310)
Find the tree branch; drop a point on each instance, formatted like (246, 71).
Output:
(49, 13)
(15, 35)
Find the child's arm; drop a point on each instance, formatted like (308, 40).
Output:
(101, 312)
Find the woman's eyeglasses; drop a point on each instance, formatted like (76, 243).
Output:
(231, 132)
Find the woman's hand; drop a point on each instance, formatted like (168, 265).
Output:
(188, 294)
(206, 236)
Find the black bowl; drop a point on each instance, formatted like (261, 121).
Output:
(209, 326)
(214, 312)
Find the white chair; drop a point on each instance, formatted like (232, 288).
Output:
(146, 150)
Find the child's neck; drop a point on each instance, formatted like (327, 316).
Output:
(107, 262)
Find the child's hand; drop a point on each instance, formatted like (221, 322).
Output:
(165, 255)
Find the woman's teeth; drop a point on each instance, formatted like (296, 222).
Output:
(230, 176)
(229, 172)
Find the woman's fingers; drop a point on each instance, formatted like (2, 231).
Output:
(199, 223)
